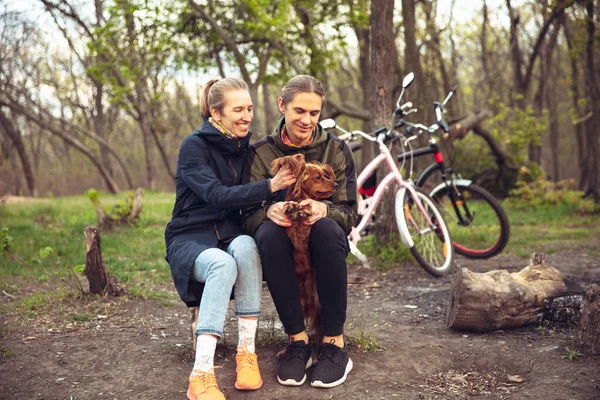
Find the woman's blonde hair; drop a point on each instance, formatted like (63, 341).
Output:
(301, 84)
(213, 93)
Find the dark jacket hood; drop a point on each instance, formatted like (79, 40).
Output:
(217, 139)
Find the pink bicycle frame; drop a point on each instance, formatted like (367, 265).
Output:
(366, 207)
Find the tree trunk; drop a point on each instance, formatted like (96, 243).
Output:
(146, 137)
(541, 98)
(270, 115)
(100, 282)
(17, 141)
(163, 154)
(99, 125)
(579, 131)
(258, 124)
(588, 336)
(412, 61)
(364, 64)
(497, 299)
(382, 39)
(72, 141)
(593, 123)
(552, 104)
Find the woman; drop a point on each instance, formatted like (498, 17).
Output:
(205, 242)
(298, 131)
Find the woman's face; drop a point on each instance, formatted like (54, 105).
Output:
(301, 116)
(237, 112)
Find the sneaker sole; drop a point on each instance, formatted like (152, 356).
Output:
(320, 384)
(292, 382)
(248, 387)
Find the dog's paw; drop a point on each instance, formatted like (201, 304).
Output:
(291, 207)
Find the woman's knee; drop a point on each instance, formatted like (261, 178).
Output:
(223, 268)
(243, 248)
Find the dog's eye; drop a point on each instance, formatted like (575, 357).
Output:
(319, 177)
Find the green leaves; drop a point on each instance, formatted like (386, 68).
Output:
(45, 252)
(516, 128)
(5, 240)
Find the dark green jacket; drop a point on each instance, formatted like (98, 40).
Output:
(325, 148)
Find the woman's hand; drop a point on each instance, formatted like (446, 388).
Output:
(282, 179)
(317, 208)
(277, 215)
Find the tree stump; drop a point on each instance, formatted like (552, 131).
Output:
(588, 336)
(100, 282)
(481, 302)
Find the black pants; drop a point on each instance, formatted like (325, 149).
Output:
(328, 246)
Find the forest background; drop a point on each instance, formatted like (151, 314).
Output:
(100, 94)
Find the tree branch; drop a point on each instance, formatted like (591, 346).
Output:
(556, 12)
(349, 109)
(229, 42)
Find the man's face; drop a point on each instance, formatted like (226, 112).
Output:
(301, 116)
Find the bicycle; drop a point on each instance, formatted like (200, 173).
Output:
(477, 222)
(421, 225)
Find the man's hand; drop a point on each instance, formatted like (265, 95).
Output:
(278, 216)
(317, 208)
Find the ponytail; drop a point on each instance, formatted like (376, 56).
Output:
(204, 107)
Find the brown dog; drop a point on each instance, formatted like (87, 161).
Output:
(314, 181)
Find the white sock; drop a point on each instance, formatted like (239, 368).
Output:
(247, 331)
(205, 353)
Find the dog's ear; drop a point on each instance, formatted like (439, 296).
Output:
(297, 164)
(276, 164)
(329, 172)
(297, 189)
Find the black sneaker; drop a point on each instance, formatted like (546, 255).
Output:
(332, 367)
(294, 362)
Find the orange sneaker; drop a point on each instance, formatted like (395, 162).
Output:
(248, 374)
(204, 387)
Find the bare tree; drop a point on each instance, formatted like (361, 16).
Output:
(522, 78)
(15, 137)
(381, 88)
(593, 89)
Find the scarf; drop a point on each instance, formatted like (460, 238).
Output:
(286, 140)
(222, 128)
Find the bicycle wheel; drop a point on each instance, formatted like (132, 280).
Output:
(430, 245)
(478, 224)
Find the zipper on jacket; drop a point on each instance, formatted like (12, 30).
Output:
(217, 231)
(234, 173)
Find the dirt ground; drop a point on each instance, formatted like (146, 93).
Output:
(141, 349)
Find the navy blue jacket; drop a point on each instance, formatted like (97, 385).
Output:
(208, 200)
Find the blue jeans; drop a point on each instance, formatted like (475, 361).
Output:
(220, 271)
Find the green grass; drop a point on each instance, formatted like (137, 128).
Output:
(361, 335)
(548, 228)
(47, 240)
(134, 254)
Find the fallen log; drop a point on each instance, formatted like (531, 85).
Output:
(100, 281)
(482, 302)
(563, 309)
(588, 335)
